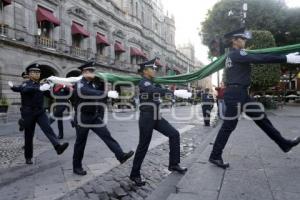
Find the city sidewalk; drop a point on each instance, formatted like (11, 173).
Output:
(258, 168)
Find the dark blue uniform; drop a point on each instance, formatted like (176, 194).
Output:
(63, 93)
(238, 80)
(207, 106)
(90, 117)
(32, 113)
(151, 120)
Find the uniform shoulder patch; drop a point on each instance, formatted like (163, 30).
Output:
(147, 83)
(243, 52)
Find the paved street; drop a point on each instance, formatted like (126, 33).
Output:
(51, 176)
(259, 169)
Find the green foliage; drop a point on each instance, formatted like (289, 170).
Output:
(4, 101)
(270, 15)
(263, 76)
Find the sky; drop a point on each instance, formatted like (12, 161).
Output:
(188, 17)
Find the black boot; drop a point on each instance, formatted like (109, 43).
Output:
(61, 148)
(292, 143)
(60, 136)
(138, 181)
(219, 162)
(29, 161)
(79, 171)
(126, 156)
(177, 168)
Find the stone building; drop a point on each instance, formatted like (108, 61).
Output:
(60, 35)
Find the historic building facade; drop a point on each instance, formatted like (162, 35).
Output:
(60, 35)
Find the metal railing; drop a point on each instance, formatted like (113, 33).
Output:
(3, 29)
(46, 42)
(78, 52)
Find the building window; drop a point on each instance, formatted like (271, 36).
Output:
(143, 17)
(156, 27)
(102, 42)
(76, 40)
(45, 29)
(137, 9)
(132, 9)
(78, 34)
(46, 22)
(101, 49)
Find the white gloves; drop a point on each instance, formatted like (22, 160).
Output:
(113, 94)
(45, 87)
(10, 83)
(183, 94)
(293, 58)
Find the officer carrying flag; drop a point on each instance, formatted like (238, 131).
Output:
(150, 120)
(238, 80)
(88, 116)
(33, 112)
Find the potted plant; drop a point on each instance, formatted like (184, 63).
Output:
(3, 105)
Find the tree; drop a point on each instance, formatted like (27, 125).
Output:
(266, 75)
(225, 16)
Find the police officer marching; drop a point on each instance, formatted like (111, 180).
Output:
(207, 106)
(33, 113)
(150, 120)
(62, 93)
(88, 116)
(238, 80)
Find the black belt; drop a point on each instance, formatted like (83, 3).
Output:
(237, 86)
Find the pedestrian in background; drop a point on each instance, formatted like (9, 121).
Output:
(207, 105)
(220, 100)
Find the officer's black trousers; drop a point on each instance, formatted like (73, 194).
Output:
(58, 113)
(32, 117)
(82, 135)
(237, 100)
(146, 125)
(206, 110)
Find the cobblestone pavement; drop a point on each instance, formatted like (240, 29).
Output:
(11, 151)
(115, 184)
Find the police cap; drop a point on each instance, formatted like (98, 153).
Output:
(88, 65)
(33, 67)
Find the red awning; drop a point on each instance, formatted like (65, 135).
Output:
(78, 29)
(101, 39)
(119, 47)
(43, 14)
(158, 63)
(6, 2)
(136, 52)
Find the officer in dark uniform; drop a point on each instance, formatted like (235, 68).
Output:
(207, 106)
(61, 94)
(33, 112)
(150, 120)
(238, 80)
(90, 117)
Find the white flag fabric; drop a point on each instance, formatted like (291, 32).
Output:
(64, 81)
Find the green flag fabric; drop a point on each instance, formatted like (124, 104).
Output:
(199, 74)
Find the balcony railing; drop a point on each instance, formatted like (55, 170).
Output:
(3, 29)
(78, 52)
(103, 59)
(42, 41)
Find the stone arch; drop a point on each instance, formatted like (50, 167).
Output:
(47, 68)
(73, 73)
